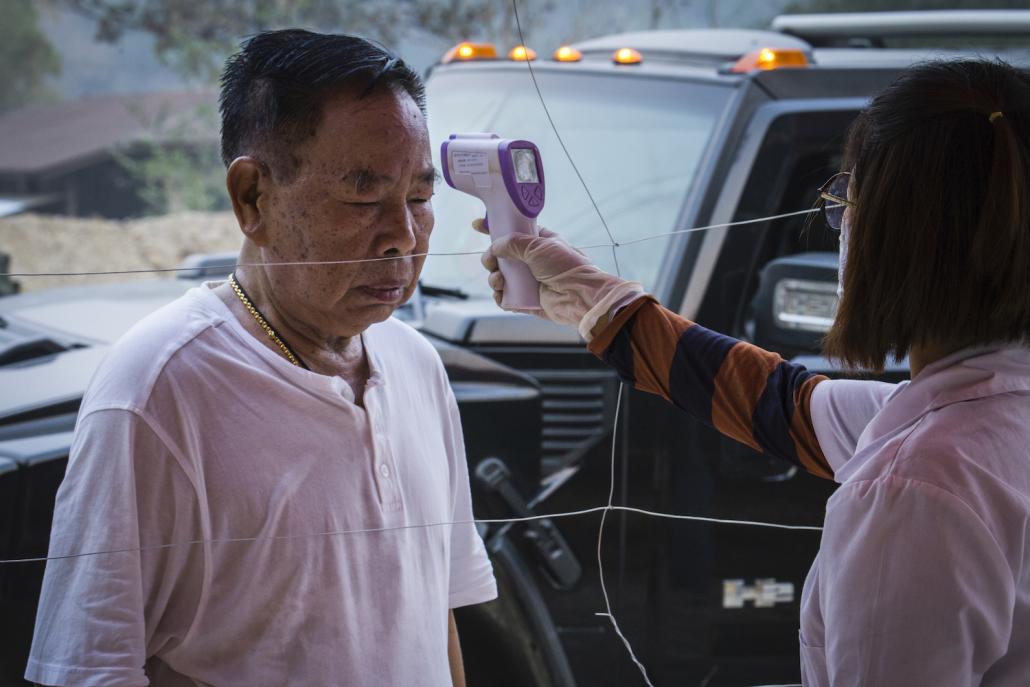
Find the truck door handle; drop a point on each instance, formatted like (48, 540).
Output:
(558, 562)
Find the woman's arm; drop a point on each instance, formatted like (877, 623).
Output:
(749, 394)
(746, 393)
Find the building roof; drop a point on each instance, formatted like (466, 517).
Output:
(66, 135)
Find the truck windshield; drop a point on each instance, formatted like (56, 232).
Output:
(636, 141)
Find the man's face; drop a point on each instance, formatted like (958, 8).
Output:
(362, 190)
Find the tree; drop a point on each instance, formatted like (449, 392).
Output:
(194, 38)
(491, 20)
(174, 172)
(27, 59)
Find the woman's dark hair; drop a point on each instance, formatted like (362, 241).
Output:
(939, 248)
(274, 89)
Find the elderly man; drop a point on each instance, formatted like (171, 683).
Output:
(280, 405)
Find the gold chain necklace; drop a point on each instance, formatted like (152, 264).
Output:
(272, 334)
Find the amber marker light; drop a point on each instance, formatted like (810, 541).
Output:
(465, 52)
(567, 53)
(770, 58)
(627, 56)
(521, 53)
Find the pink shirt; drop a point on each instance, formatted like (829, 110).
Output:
(923, 575)
(193, 430)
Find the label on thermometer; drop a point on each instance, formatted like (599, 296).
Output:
(470, 163)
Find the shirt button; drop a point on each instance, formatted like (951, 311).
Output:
(384, 470)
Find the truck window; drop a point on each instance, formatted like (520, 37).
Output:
(800, 151)
(636, 141)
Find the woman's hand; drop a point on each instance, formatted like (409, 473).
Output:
(570, 286)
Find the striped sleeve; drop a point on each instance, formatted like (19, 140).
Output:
(749, 394)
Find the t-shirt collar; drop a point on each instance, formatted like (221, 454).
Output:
(966, 375)
(331, 385)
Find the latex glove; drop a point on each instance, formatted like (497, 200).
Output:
(572, 290)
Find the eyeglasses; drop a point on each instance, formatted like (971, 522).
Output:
(834, 199)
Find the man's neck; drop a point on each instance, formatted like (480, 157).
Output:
(332, 356)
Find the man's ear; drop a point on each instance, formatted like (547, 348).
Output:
(246, 181)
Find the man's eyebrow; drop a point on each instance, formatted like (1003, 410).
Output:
(365, 180)
(428, 176)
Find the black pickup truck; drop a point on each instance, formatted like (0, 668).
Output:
(669, 129)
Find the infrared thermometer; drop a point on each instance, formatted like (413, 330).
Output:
(508, 177)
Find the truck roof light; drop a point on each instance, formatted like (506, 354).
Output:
(627, 56)
(521, 53)
(465, 52)
(770, 58)
(567, 53)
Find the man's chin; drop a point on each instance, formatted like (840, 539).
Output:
(364, 308)
(359, 318)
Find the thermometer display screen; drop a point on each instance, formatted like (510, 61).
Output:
(524, 161)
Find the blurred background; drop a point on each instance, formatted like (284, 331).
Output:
(108, 109)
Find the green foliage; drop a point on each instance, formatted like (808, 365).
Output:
(174, 178)
(27, 58)
(489, 20)
(172, 170)
(194, 38)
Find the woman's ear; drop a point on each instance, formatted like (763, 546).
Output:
(246, 180)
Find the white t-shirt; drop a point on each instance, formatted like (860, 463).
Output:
(842, 409)
(193, 430)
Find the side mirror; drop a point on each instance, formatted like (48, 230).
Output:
(796, 303)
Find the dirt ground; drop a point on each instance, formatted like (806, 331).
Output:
(44, 243)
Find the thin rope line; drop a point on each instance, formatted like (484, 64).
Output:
(532, 75)
(600, 539)
(719, 521)
(373, 530)
(614, 245)
(691, 230)
(306, 535)
(397, 257)
(730, 224)
(236, 265)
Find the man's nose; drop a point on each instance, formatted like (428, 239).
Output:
(397, 233)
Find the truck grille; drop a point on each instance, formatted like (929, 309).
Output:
(577, 409)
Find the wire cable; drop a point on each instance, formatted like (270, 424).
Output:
(618, 403)
(600, 539)
(230, 267)
(373, 530)
(532, 75)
